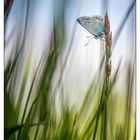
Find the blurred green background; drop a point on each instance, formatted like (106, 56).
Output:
(53, 83)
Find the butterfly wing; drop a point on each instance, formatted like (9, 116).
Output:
(94, 25)
(100, 27)
(88, 24)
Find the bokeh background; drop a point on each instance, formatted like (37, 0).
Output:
(51, 75)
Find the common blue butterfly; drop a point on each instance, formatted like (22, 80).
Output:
(94, 25)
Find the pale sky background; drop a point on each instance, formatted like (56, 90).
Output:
(84, 60)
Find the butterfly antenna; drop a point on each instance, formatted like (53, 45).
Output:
(89, 41)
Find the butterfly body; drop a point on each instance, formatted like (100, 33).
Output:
(94, 25)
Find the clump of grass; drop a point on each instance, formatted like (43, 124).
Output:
(108, 52)
(105, 89)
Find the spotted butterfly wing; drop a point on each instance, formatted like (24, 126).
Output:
(94, 25)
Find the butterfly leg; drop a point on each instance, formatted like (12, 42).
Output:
(103, 37)
(96, 37)
(89, 41)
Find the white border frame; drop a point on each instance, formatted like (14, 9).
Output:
(138, 70)
(1, 70)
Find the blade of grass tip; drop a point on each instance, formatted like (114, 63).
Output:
(112, 84)
(7, 8)
(87, 99)
(29, 95)
(20, 48)
(52, 60)
(23, 135)
(83, 106)
(23, 84)
(97, 115)
(37, 97)
(90, 124)
(25, 23)
(45, 89)
(12, 67)
(11, 63)
(121, 26)
(14, 77)
(41, 85)
(68, 52)
(101, 105)
(114, 77)
(32, 84)
(6, 71)
(36, 100)
(130, 78)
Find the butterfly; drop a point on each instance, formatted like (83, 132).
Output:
(94, 25)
